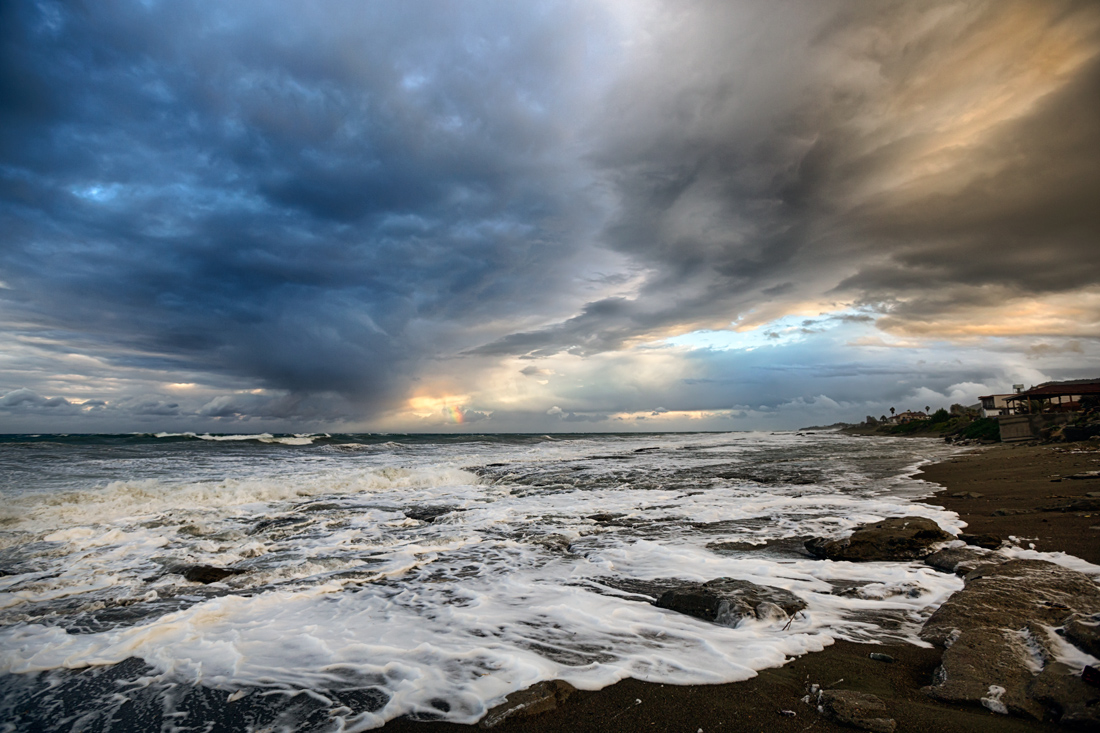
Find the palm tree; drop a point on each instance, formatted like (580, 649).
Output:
(891, 412)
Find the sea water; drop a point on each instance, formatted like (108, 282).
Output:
(423, 576)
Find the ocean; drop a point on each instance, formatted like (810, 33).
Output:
(379, 576)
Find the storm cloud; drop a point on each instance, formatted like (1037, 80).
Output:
(373, 215)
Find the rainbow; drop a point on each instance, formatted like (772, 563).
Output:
(455, 413)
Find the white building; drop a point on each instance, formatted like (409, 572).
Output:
(994, 405)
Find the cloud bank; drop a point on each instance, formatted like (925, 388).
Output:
(430, 216)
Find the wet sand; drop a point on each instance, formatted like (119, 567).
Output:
(1016, 482)
(1017, 479)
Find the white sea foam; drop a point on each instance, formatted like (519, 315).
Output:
(1066, 653)
(1058, 558)
(297, 439)
(147, 498)
(403, 567)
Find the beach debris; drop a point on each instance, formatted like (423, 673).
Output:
(858, 709)
(967, 495)
(960, 560)
(787, 713)
(637, 702)
(896, 538)
(1009, 512)
(206, 574)
(539, 698)
(790, 621)
(1085, 475)
(878, 657)
(727, 601)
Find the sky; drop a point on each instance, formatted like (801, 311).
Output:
(541, 216)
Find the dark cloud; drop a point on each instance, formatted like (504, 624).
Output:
(936, 167)
(309, 199)
(26, 399)
(575, 417)
(1026, 226)
(305, 209)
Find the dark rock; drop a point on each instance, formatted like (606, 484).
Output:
(1084, 633)
(959, 560)
(320, 506)
(967, 495)
(1074, 433)
(650, 590)
(988, 541)
(896, 538)
(880, 657)
(208, 573)
(858, 709)
(1082, 719)
(785, 545)
(606, 518)
(267, 525)
(539, 698)
(726, 601)
(429, 513)
(1080, 505)
(1011, 595)
(1065, 694)
(995, 631)
(1009, 512)
(988, 667)
(555, 542)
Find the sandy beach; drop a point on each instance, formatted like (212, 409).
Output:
(1007, 490)
(1015, 483)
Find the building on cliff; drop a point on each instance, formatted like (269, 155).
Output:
(1036, 411)
(1053, 397)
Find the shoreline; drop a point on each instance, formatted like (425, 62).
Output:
(1016, 489)
(1014, 478)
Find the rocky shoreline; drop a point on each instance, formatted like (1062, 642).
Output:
(1012, 650)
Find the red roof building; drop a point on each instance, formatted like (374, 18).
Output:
(1054, 396)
